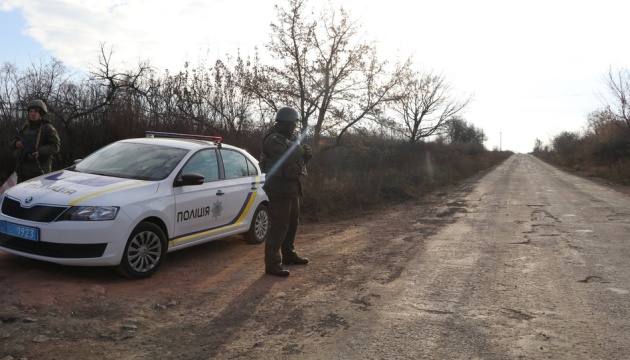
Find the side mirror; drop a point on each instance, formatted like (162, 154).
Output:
(190, 179)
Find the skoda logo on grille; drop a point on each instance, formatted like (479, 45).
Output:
(28, 200)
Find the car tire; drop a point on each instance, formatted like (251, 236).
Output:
(259, 227)
(144, 253)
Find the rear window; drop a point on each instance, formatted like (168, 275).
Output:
(237, 165)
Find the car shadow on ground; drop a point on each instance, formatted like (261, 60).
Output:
(204, 255)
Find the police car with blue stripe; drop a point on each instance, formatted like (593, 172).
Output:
(130, 203)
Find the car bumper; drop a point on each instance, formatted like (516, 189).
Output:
(83, 243)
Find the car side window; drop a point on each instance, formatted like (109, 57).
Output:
(237, 165)
(204, 163)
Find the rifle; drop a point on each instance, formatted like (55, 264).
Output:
(298, 140)
(27, 149)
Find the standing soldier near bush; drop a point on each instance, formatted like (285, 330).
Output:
(40, 139)
(282, 159)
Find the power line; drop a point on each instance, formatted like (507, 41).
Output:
(534, 96)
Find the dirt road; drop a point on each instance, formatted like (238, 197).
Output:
(522, 262)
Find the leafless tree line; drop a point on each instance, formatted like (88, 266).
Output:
(603, 147)
(321, 65)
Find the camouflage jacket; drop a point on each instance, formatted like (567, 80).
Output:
(283, 161)
(48, 145)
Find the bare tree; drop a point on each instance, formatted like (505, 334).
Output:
(619, 87)
(566, 143)
(194, 90)
(459, 130)
(325, 69)
(41, 80)
(10, 106)
(230, 102)
(611, 125)
(599, 120)
(114, 83)
(426, 105)
(216, 97)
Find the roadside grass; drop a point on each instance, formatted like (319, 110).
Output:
(614, 170)
(363, 175)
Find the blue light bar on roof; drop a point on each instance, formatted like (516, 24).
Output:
(182, 136)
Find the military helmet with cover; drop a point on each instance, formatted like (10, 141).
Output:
(38, 105)
(287, 114)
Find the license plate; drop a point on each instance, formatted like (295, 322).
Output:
(21, 231)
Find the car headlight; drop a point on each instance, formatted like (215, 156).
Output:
(91, 213)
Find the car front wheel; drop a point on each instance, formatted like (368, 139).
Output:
(259, 227)
(144, 253)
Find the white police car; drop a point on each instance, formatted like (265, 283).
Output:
(131, 202)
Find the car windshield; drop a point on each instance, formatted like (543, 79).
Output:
(132, 161)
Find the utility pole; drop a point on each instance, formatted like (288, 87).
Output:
(500, 140)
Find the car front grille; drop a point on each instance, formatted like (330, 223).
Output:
(38, 213)
(61, 251)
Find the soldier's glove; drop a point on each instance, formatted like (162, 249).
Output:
(308, 152)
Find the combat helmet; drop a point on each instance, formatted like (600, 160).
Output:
(38, 105)
(287, 114)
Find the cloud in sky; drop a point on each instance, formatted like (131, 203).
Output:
(166, 33)
(535, 67)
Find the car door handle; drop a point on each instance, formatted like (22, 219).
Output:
(220, 192)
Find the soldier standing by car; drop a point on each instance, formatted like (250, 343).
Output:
(35, 143)
(282, 159)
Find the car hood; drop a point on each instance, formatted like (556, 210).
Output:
(73, 188)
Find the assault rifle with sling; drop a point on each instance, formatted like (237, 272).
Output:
(27, 149)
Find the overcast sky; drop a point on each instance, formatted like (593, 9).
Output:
(535, 67)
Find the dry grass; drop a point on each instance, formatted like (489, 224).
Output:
(617, 171)
(369, 173)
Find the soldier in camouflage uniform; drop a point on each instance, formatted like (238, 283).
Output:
(43, 140)
(282, 159)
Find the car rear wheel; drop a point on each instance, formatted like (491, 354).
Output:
(144, 253)
(259, 227)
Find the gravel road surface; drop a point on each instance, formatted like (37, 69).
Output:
(523, 261)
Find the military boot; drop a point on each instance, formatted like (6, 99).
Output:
(294, 259)
(278, 271)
